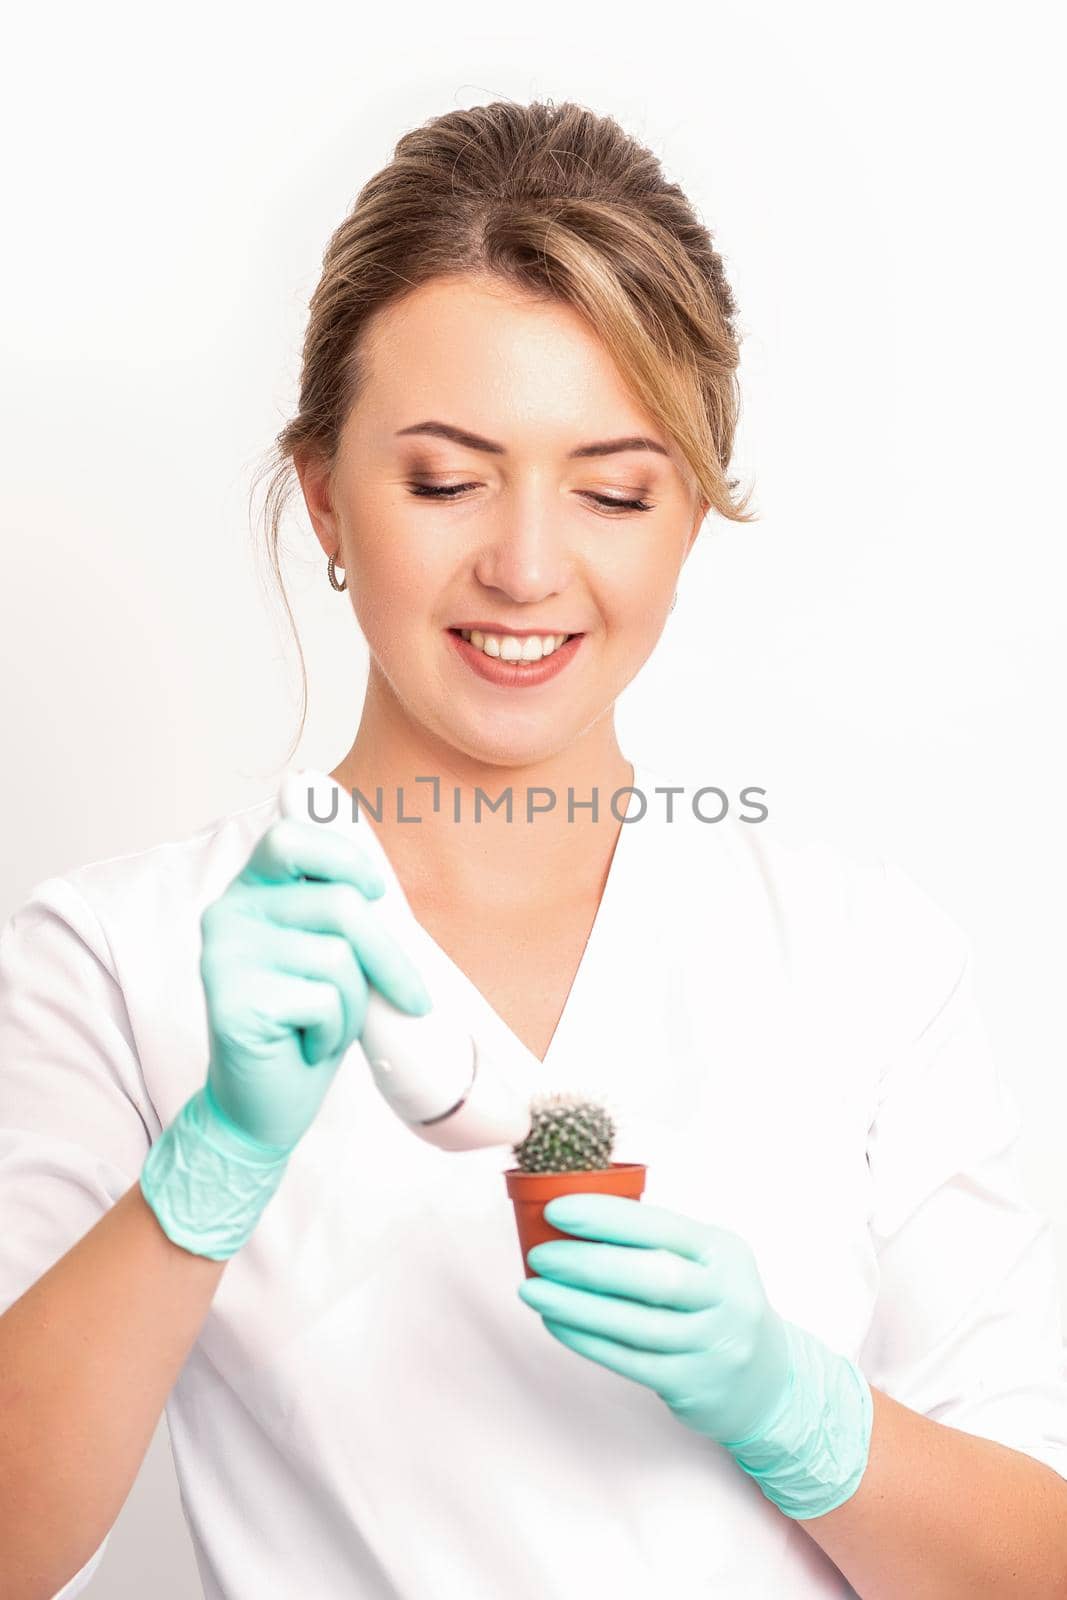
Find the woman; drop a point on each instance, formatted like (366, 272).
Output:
(824, 1341)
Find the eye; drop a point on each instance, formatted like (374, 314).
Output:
(452, 490)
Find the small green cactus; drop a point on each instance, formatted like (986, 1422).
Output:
(567, 1134)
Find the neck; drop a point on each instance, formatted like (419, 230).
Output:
(467, 852)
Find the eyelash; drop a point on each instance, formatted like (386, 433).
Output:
(450, 492)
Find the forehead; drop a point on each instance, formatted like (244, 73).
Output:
(499, 362)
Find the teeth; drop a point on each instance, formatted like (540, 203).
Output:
(508, 648)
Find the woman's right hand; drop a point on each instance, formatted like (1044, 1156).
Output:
(285, 965)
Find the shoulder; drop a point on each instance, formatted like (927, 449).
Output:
(794, 880)
(151, 895)
(838, 920)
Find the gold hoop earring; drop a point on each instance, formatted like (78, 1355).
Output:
(331, 573)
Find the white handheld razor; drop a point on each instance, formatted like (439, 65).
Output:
(429, 1069)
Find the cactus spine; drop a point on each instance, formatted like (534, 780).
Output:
(567, 1134)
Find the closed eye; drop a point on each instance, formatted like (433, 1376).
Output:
(452, 490)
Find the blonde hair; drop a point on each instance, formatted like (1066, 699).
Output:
(555, 202)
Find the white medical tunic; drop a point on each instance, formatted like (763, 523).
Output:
(786, 1036)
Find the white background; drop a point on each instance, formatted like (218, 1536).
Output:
(883, 650)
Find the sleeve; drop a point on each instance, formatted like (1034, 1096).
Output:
(967, 1325)
(73, 1135)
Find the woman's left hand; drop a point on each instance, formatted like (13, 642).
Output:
(679, 1306)
(676, 1304)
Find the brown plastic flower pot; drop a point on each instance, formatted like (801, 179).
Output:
(531, 1191)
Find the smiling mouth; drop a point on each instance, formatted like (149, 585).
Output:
(522, 639)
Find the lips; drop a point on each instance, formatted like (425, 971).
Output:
(514, 633)
(511, 632)
(515, 674)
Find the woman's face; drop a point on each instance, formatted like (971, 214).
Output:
(527, 543)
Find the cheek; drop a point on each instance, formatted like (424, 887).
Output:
(396, 591)
(641, 573)
(637, 598)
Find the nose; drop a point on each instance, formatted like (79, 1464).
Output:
(526, 556)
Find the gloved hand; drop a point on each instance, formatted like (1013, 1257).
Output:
(284, 965)
(678, 1305)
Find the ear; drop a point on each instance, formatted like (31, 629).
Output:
(314, 475)
(698, 522)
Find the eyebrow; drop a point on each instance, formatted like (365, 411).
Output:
(474, 441)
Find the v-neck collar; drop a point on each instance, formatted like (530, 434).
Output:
(505, 1039)
(486, 1023)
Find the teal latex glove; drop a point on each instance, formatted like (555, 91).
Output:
(678, 1305)
(287, 951)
